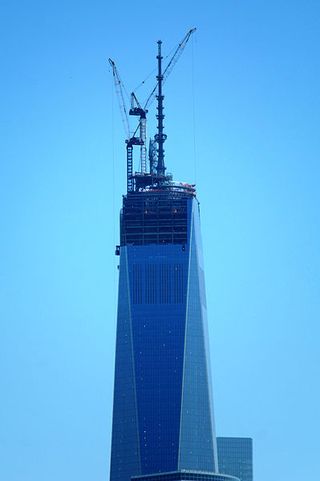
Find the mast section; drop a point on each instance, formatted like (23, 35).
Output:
(160, 137)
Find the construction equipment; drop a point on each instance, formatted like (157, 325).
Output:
(135, 109)
(156, 172)
(119, 90)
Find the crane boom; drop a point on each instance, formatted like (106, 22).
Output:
(175, 57)
(177, 53)
(119, 90)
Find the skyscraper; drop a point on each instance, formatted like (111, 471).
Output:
(163, 422)
(235, 457)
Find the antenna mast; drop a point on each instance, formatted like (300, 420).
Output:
(160, 137)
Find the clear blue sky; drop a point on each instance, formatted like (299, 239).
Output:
(242, 118)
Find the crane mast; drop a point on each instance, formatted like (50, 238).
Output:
(136, 109)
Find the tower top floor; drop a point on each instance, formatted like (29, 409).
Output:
(157, 215)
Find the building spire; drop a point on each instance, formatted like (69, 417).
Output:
(160, 137)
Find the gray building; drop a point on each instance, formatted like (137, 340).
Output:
(235, 457)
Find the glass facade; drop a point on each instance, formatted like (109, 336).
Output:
(163, 413)
(235, 457)
(186, 475)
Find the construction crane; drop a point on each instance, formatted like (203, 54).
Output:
(135, 109)
(156, 155)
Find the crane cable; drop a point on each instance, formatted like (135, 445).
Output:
(144, 81)
(152, 72)
(113, 189)
(195, 156)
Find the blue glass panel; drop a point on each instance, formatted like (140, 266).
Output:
(158, 276)
(197, 447)
(125, 445)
